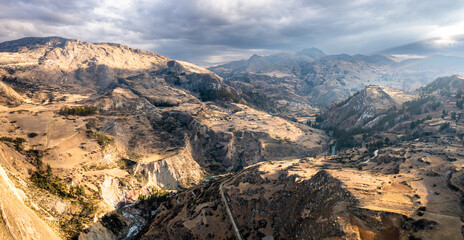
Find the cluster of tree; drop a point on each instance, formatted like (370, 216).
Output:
(386, 120)
(445, 93)
(32, 135)
(126, 164)
(102, 139)
(419, 121)
(378, 144)
(16, 142)
(161, 104)
(434, 105)
(459, 94)
(345, 139)
(78, 110)
(156, 194)
(459, 100)
(50, 182)
(113, 223)
(45, 179)
(35, 156)
(459, 104)
(444, 126)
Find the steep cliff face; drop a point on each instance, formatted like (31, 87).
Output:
(179, 170)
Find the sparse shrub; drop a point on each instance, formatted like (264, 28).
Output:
(154, 195)
(46, 180)
(126, 164)
(102, 139)
(78, 110)
(32, 135)
(35, 156)
(17, 142)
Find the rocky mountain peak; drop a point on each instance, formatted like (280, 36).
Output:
(448, 84)
(56, 62)
(313, 52)
(28, 43)
(363, 106)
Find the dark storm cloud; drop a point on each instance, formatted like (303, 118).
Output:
(205, 31)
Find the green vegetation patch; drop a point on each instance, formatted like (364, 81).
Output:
(35, 156)
(113, 223)
(16, 142)
(78, 110)
(126, 164)
(32, 135)
(46, 180)
(156, 194)
(102, 139)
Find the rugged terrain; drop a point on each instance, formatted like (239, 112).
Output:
(406, 187)
(300, 82)
(103, 141)
(366, 108)
(89, 127)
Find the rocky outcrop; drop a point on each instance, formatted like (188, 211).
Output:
(180, 170)
(70, 65)
(365, 108)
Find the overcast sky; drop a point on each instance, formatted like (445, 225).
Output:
(210, 31)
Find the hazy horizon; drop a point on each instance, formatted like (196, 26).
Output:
(208, 32)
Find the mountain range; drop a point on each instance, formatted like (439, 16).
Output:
(311, 78)
(105, 141)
